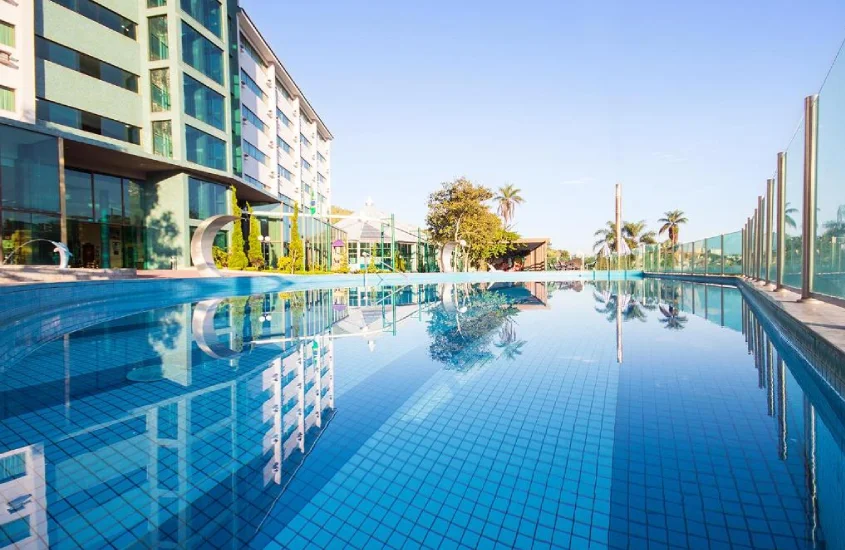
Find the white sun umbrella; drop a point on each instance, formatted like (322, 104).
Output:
(604, 251)
(625, 250)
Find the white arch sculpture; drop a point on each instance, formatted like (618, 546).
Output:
(205, 335)
(446, 256)
(203, 241)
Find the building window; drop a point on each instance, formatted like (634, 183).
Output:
(321, 178)
(12, 467)
(7, 99)
(250, 51)
(163, 138)
(284, 91)
(352, 250)
(255, 152)
(15, 531)
(85, 64)
(206, 199)
(253, 85)
(305, 119)
(103, 198)
(29, 170)
(283, 117)
(305, 164)
(160, 90)
(205, 149)
(203, 103)
(7, 34)
(254, 181)
(156, 3)
(201, 54)
(321, 158)
(206, 12)
(253, 119)
(283, 145)
(159, 48)
(304, 140)
(102, 15)
(285, 173)
(88, 122)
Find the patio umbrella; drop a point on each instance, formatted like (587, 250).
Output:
(604, 251)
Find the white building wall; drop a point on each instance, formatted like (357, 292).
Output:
(17, 64)
(283, 97)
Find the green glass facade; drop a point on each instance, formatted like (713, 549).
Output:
(203, 103)
(201, 54)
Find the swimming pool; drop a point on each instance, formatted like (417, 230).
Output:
(625, 414)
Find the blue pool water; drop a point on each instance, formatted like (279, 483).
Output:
(638, 414)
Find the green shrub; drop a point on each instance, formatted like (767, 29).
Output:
(237, 258)
(256, 255)
(221, 257)
(285, 264)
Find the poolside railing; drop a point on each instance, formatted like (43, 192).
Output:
(717, 255)
(795, 237)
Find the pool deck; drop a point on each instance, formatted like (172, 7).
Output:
(826, 319)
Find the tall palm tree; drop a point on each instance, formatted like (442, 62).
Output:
(672, 221)
(507, 200)
(635, 234)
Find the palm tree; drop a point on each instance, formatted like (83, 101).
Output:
(635, 234)
(606, 235)
(506, 200)
(672, 221)
(788, 219)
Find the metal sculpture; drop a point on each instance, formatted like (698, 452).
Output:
(205, 335)
(60, 248)
(203, 241)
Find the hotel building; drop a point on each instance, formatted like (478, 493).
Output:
(125, 123)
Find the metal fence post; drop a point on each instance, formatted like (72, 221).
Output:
(761, 230)
(758, 257)
(811, 113)
(780, 262)
(770, 192)
(722, 249)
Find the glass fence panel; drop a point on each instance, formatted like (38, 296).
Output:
(700, 260)
(733, 253)
(829, 276)
(714, 255)
(688, 258)
(773, 267)
(794, 208)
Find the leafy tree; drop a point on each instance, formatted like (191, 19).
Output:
(507, 200)
(237, 258)
(672, 221)
(459, 211)
(256, 255)
(297, 250)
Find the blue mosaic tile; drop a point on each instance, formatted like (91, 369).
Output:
(546, 415)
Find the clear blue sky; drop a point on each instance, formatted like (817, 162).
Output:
(685, 103)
